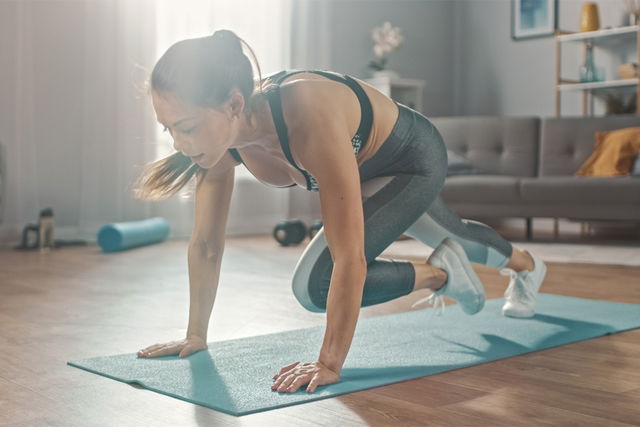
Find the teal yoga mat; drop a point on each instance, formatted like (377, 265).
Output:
(234, 376)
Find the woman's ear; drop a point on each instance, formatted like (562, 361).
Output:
(236, 103)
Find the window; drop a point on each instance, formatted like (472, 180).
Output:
(264, 25)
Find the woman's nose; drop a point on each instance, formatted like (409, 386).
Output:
(178, 145)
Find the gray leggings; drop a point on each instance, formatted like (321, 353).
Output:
(400, 193)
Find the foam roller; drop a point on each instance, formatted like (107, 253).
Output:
(126, 235)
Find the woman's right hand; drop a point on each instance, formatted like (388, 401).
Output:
(183, 347)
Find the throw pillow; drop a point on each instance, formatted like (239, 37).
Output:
(613, 154)
(458, 165)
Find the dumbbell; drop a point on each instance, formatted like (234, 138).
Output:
(290, 232)
(315, 227)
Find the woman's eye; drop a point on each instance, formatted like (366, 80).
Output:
(189, 131)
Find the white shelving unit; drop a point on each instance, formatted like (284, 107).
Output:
(406, 91)
(603, 38)
(598, 85)
(566, 36)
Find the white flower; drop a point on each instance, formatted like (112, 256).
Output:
(386, 38)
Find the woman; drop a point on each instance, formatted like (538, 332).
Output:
(378, 167)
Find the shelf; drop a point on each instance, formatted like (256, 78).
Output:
(607, 39)
(406, 91)
(396, 81)
(597, 85)
(630, 30)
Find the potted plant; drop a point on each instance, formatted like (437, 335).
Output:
(386, 39)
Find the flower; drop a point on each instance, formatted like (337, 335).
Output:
(386, 39)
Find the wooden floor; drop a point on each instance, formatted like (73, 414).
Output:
(76, 303)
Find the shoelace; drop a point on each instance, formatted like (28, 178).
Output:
(521, 292)
(512, 280)
(434, 300)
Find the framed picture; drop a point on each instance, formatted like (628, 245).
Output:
(533, 18)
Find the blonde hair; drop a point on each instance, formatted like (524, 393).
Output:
(202, 72)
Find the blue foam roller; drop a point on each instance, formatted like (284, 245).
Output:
(126, 235)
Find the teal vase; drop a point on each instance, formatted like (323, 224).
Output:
(588, 69)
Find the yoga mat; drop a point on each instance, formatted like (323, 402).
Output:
(234, 376)
(132, 234)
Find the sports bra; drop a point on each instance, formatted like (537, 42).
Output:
(275, 102)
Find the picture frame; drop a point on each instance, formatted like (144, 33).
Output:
(533, 18)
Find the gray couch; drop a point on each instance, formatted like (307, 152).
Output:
(528, 165)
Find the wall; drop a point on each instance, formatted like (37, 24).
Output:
(461, 48)
(338, 37)
(501, 76)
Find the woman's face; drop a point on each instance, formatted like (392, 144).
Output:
(204, 134)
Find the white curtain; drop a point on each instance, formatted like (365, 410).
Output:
(266, 27)
(117, 122)
(77, 123)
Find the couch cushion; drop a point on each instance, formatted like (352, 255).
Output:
(482, 188)
(567, 142)
(498, 145)
(625, 189)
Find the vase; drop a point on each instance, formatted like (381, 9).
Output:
(588, 69)
(385, 73)
(589, 19)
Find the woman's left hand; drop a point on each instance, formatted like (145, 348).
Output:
(295, 375)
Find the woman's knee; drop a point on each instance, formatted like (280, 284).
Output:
(310, 284)
(311, 293)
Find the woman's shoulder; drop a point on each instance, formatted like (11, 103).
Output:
(312, 104)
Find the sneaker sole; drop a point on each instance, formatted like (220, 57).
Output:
(515, 313)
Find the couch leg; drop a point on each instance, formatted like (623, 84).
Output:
(529, 228)
(585, 229)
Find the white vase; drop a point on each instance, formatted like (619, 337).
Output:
(385, 73)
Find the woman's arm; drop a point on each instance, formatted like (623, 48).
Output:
(343, 310)
(336, 171)
(343, 222)
(213, 197)
(325, 150)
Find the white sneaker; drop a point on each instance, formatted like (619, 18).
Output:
(523, 288)
(462, 284)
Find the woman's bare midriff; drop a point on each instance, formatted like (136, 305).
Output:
(267, 162)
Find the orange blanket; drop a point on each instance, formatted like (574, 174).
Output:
(614, 153)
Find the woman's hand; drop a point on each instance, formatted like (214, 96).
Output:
(292, 377)
(184, 347)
